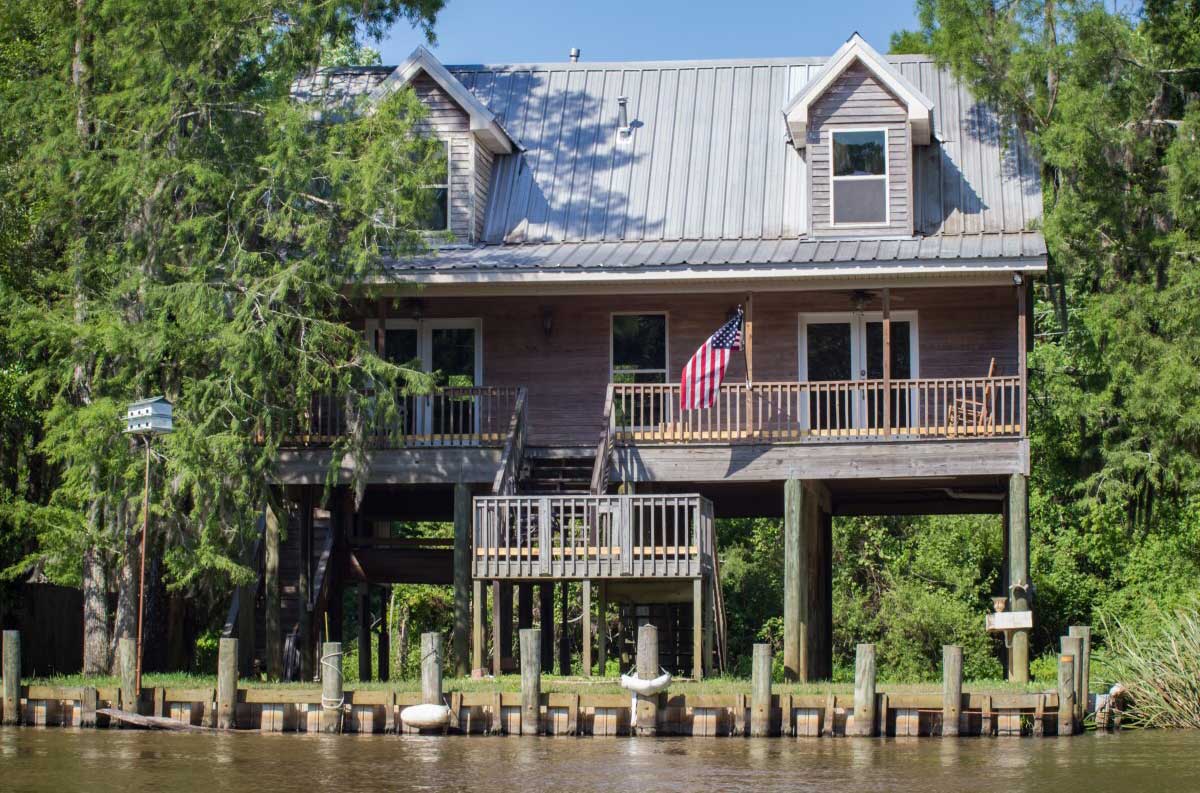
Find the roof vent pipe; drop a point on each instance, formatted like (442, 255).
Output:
(574, 55)
(623, 115)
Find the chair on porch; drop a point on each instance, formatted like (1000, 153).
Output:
(970, 415)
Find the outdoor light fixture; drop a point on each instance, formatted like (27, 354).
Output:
(147, 418)
(416, 308)
(623, 115)
(547, 320)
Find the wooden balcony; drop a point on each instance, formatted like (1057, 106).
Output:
(823, 412)
(576, 537)
(476, 416)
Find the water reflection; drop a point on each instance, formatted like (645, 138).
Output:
(128, 762)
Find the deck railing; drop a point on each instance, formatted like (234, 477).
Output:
(817, 412)
(472, 416)
(593, 536)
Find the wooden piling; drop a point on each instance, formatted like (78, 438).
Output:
(546, 624)
(952, 660)
(587, 628)
(602, 628)
(1018, 572)
(12, 677)
(127, 664)
(647, 669)
(1073, 646)
(89, 702)
(864, 690)
(227, 683)
(1084, 634)
(462, 586)
(698, 628)
(1066, 695)
(531, 680)
(478, 606)
(793, 516)
(431, 668)
(760, 688)
(564, 631)
(333, 696)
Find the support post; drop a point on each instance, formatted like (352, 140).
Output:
(504, 616)
(887, 362)
(364, 632)
(478, 605)
(524, 606)
(89, 703)
(793, 517)
(273, 620)
(602, 629)
(333, 696)
(864, 690)
(647, 669)
(1018, 572)
(303, 583)
(384, 655)
(698, 628)
(564, 631)
(12, 677)
(1084, 634)
(952, 659)
(1066, 695)
(1073, 646)
(546, 624)
(760, 687)
(531, 680)
(462, 582)
(431, 668)
(497, 646)
(127, 662)
(227, 682)
(587, 628)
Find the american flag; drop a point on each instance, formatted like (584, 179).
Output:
(703, 374)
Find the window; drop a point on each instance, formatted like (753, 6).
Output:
(859, 176)
(435, 213)
(639, 348)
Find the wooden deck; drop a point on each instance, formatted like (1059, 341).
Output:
(577, 537)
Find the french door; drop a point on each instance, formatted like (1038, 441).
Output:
(449, 347)
(841, 354)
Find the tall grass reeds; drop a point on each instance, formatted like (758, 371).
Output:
(1158, 662)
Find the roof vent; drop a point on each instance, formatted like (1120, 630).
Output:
(623, 115)
(574, 55)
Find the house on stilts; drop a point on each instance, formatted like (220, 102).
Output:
(875, 222)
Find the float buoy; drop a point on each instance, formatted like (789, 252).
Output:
(425, 717)
(646, 687)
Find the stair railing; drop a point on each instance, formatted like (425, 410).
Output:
(513, 454)
(604, 449)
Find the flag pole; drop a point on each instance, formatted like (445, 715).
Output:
(748, 350)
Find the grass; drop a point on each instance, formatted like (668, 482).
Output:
(554, 684)
(1159, 665)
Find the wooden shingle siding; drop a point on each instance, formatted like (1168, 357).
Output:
(482, 181)
(857, 100)
(960, 330)
(449, 122)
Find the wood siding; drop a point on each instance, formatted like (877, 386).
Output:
(858, 100)
(960, 329)
(484, 160)
(449, 122)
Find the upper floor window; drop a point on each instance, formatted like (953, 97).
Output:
(859, 177)
(639, 348)
(436, 215)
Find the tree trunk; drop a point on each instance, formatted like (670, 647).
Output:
(125, 621)
(95, 613)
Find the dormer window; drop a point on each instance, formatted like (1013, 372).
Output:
(435, 215)
(859, 177)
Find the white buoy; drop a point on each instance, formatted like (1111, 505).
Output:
(425, 717)
(646, 687)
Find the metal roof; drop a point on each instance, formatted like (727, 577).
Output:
(706, 172)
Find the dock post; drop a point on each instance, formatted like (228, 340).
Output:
(864, 690)
(89, 702)
(478, 606)
(127, 663)
(546, 624)
(1018, 572)
(602, 628)
(1066, 695)
(1073, 646)
(431, 668)
(332, 695)
(647, 669)
(12, 677)
(952, 660)
(1084, 675)
(793, 518)
(227, 681)
(462, 584)
(760, 687)
(531, 680)
(587, 628)
(564, 631)
(698, 628)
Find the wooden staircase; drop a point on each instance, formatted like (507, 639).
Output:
(556, 471)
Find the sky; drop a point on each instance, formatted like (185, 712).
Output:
(525, 31)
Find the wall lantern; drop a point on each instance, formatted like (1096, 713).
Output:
(547, 320)
(146, 418)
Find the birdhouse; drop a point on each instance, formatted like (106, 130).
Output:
(149, 417)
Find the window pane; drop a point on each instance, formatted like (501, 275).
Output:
(901, 354)
(859, 153)
(454, 355)
(829, 351)
(860, 201)
(400, 345)
(434, 214)
(639, 341)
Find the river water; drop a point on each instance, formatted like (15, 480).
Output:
(125, 761)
